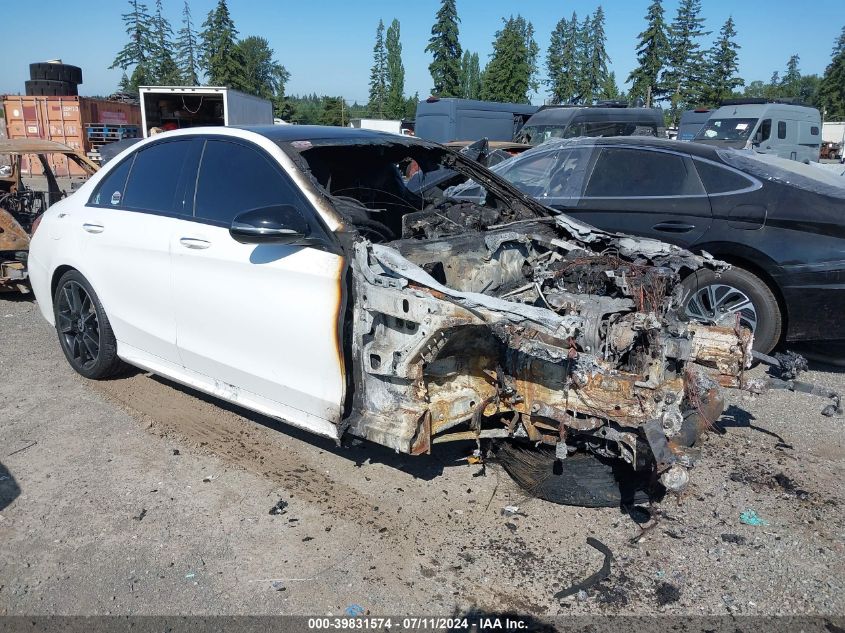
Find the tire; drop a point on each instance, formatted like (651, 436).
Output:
(84, 331)
(50, 88)
(57, 72)
(579, 480)
(767, 321)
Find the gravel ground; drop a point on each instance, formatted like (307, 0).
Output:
(136, 496)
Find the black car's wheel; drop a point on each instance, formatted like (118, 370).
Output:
(580, 480)
(84, 331)
(719, 298)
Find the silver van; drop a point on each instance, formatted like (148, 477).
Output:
(784, 129)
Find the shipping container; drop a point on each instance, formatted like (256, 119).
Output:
(63, 119)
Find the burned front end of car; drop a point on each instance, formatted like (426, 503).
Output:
(500, 321)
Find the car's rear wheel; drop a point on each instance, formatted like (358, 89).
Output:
(84, 330)
(722, 298)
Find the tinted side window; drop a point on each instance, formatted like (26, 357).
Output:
(720, 180)
(110, 190)
(781, 129)
(625, 172)
(157, 180)
(814, 130)
(234, 178)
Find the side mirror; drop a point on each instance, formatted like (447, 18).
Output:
(281, 224)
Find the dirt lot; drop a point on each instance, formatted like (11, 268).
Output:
(135, 496)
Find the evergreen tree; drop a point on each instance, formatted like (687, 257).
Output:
(395, 73)
(164, 68)
(609, 89)
(260, 74)
(790, 85)
(470, 76)
(445, 50)
(511, 71)
(723, 64)
(333, 112)
(187, 51)
(756, 89)
(411, 106)
(378, 76)
(219, 50)
(831, 93)
(595, 68)
(140, 48)
(652, 56)
(124, 85)
(684, 79)
(582, 60)
(562, 61)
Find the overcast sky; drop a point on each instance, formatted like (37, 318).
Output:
(327, 44)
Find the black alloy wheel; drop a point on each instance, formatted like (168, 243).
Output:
(83, 328)
(78, 326)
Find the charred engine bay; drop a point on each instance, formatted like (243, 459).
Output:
(499, 320)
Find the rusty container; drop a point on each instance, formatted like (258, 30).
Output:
(64, 120)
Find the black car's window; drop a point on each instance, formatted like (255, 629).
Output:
(110, 191)
(554, 174)
(158, 177)
(234, 178)
(720, 179)
(627, 172)
(531, 175)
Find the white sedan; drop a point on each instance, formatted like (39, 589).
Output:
(321, 276)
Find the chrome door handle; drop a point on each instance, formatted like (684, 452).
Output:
(193, 242)
(93, 228)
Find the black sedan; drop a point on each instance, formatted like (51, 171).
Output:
(780, 223)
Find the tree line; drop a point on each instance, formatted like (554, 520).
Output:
(215, 54)
(673, 68)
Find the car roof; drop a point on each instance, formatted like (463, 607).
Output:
(563, 114)
(287, 133)
(696, 149)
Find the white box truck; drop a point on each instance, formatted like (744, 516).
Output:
(175, 107)
(381, 125)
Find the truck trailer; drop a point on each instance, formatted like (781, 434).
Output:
(176, 107)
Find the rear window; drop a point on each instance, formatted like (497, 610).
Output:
(720, 179)
(811, 177)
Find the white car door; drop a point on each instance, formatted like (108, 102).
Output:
(126, 228)
(262, 318)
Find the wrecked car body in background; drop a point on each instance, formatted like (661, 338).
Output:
(499, 321)
(21, 203)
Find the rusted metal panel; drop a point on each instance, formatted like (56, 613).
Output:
(12, 235)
